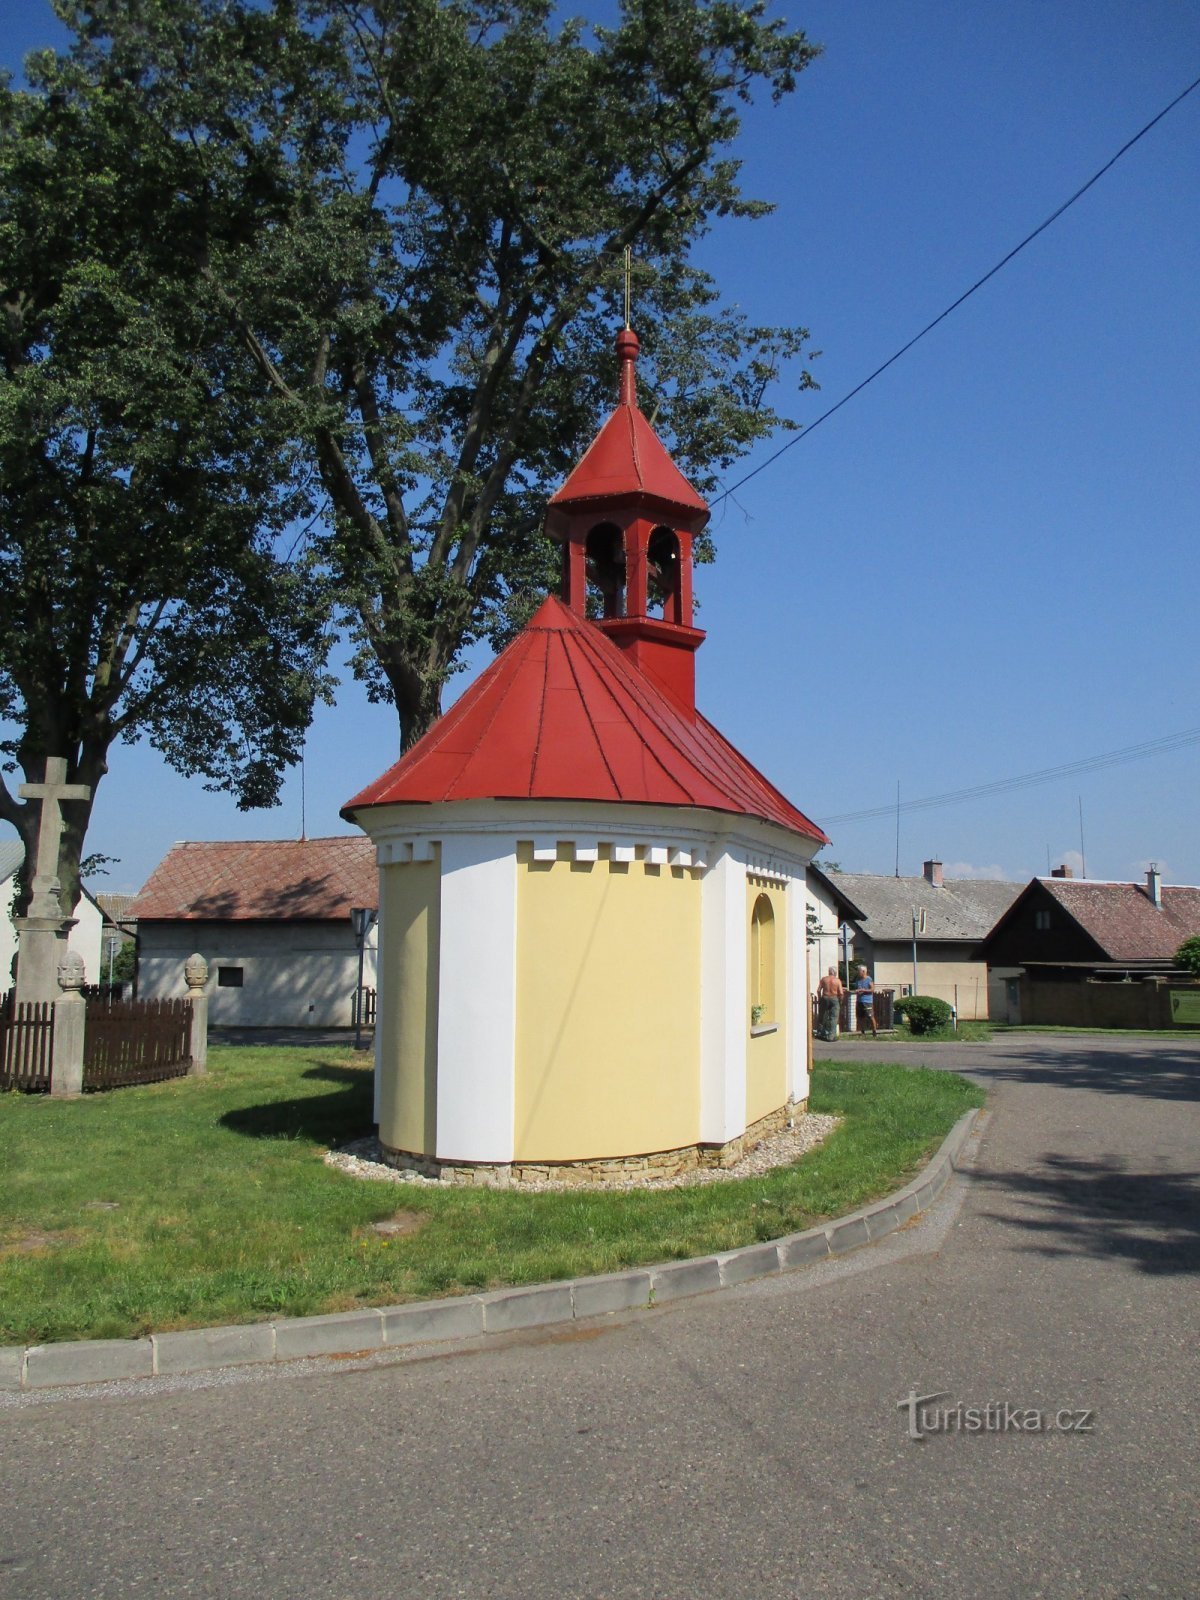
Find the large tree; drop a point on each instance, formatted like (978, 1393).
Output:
(142, 492)
(412, 214)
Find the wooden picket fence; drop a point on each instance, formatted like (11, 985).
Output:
(366, 1000)
(26, 1045)
(135, 1041)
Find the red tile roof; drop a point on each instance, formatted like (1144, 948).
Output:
(1123, 920)
(562, 715)
(259, 880)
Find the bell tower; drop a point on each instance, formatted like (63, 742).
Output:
(626, 518)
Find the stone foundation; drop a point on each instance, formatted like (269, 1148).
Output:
(621, 1170)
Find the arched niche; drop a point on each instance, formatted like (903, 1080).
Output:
(762, 961)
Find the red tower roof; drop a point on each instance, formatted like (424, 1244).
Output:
(561, 714)
(627, 456)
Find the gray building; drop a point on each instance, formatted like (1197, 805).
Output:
(272, 919)
(927, 932)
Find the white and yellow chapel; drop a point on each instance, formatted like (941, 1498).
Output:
(592, 956)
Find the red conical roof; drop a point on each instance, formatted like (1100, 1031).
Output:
(561, 714)
(627, 456)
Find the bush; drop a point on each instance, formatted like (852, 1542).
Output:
(923, 1013)
(1188, 955)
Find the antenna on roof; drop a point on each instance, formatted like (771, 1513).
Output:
(1082, 851)
(303, 797)
(897, 827)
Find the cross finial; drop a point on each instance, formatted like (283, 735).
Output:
(628, 282)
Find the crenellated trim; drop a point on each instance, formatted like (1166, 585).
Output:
(401, 852)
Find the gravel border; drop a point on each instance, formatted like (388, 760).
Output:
(363, 1158)
(353, 1333)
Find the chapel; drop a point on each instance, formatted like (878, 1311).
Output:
(592, 956)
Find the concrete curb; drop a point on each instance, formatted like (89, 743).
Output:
(353, 1333)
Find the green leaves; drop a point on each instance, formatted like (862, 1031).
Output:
(143, 493)
(261, 258)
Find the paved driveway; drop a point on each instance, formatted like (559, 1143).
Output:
(746, 1444)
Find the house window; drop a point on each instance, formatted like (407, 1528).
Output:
(229, 977)
(1041, 920)
(762, 962)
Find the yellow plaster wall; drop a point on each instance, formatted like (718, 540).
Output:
(408, 994)
(766, 1053)
(608, 1009)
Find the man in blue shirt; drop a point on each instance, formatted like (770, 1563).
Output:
(864, 994)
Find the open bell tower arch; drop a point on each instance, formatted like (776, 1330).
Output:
(627, 519)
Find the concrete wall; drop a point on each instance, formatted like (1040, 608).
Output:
(1144, 1003)
(294, 974)
(944, 972)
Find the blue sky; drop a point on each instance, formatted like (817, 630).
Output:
(983, 566)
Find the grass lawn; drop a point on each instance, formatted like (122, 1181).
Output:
(205, 1200)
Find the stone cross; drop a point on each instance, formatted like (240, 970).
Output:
(52, 791)
(42, 931)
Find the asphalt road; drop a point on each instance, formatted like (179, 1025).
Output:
(749, 1443)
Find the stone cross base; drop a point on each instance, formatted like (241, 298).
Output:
(42, 946)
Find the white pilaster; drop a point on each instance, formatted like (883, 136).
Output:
(477, 999)
(724, 1003)
(379, 945)
(799, 1006)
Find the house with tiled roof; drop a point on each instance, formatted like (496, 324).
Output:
(272, 919)
(924, 935)
(592, 905)
(84, 938)
(1080, 951)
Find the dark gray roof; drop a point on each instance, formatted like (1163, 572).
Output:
(846, 909)
(963, 908)
(12, 853)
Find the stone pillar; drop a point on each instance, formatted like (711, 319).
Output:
(41, 947)
(195, 975)
(70, 1010)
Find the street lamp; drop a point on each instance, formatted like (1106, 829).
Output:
(362, 920)
(114, 944)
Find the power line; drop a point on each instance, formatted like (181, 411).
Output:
(980, 791)
(930, 326)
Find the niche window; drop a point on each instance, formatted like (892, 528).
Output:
(229, 977)
(762, 962)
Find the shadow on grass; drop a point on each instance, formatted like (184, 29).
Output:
(326, 1072)
(1101, 1209)
(323, 1119)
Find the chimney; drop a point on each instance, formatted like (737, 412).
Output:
(1154, 885)
(1062, 872)
(933, 873)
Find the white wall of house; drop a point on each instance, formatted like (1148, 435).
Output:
(83, 939)
(826, 950)
(261, 974)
